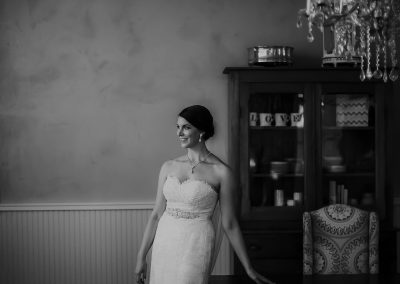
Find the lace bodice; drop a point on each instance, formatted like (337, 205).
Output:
(189, 199)
(186, 242)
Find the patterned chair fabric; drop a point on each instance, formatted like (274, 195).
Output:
(340, 239)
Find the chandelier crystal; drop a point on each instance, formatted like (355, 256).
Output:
(356, 32)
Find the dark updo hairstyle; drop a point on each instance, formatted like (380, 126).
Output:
(201, 118)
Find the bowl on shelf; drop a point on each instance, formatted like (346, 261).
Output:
(336, 168)
(332, 160)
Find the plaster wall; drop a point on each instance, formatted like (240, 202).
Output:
(90, 89)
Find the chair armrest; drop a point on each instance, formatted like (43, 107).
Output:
(373, 243)
(307, 245)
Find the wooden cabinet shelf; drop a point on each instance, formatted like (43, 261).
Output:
(262, 175)
(275, 128)
(339, 128)
(350, 175)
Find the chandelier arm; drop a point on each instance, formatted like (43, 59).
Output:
(350, 28)
(333, 19)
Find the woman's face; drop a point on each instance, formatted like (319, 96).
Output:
(188, 134)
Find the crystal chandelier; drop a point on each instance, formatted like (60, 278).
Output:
(356, 32)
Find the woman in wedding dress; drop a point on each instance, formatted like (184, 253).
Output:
(180, 227)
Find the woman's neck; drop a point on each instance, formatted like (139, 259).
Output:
(197, 153)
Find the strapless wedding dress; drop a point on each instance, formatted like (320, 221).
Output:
(183, 246)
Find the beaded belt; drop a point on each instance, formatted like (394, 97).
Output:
(178, 213)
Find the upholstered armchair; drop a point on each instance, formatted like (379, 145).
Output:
(340, 239)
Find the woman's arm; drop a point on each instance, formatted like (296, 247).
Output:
(151, 227)
(228, 194)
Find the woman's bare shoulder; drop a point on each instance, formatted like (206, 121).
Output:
(222, 169)
(170, 165)
(180, 159)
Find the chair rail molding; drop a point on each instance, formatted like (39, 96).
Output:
(75, 206)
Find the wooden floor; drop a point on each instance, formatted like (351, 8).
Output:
(318, 279)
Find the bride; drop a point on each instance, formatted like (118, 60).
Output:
(180, 227)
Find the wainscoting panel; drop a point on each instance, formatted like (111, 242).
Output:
(69, 245)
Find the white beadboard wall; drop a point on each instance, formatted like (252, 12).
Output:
(72, 244)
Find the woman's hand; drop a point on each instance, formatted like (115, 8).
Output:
(258, 278)
(141, 271)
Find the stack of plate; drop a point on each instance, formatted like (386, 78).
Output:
(333, 164)
(351, 110)
(279, 167)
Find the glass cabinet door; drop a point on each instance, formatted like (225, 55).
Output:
(275, 150)
(348, 154)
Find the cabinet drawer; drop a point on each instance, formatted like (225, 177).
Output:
(278, 266)
(272, 266)
(274, 245)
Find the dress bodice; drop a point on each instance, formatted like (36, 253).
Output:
(185, 244)
(189, 199)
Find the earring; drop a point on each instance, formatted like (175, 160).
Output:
(200, 138)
